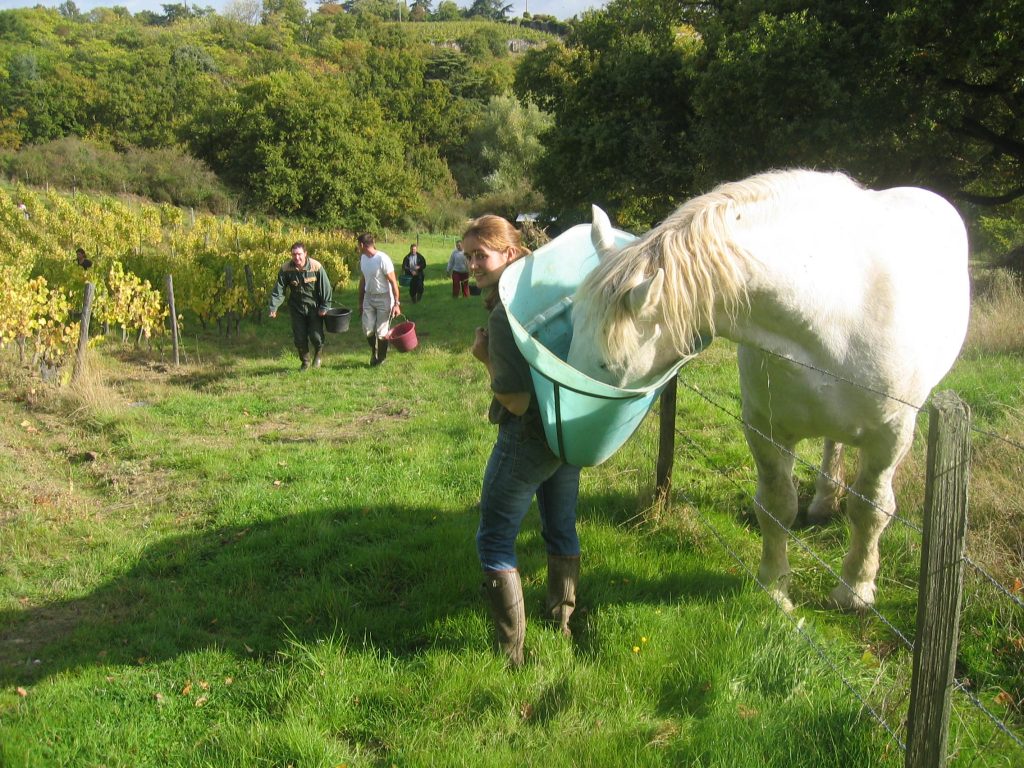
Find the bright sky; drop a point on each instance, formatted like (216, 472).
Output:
(562, 9)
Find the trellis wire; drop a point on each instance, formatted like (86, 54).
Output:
(998, 723)
(958, 685)
(913, 526)
(992, 580)
(908, 644)
(797, 624)
(918, 408)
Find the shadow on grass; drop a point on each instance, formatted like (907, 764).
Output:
(384, 575)
(402, 579)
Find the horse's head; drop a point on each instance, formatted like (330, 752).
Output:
(617, 322)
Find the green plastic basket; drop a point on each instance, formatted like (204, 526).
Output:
(585, 421)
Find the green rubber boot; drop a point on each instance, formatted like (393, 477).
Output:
(563, 576)
(503, 592)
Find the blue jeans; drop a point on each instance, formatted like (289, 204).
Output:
(522, 466)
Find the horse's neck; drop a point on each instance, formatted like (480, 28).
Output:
(775, 314)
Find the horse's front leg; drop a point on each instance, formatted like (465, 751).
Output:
(869, 506)
(776, 505)
(829, 485)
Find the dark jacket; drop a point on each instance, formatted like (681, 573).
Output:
(310, 287)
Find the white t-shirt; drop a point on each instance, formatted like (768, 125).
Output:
(375, 271)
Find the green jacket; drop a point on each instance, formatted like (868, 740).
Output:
(310, 287)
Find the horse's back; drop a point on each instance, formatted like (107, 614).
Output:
(925, 261)
(871, 285)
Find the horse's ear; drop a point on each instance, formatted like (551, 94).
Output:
(601, 234)
(645, 297)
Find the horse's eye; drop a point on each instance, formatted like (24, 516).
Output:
(603, 366)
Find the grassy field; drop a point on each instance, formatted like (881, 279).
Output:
(230, 563)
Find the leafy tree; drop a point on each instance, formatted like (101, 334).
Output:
(489, 9)
(292, 10)
(244, 11)
(508, 142)
(420, 10)
(619, 95)
(69, 10)
(447, 10)
(302, 145)
(897, 91)
(655, 100)
(962, 65)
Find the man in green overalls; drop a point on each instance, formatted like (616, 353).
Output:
(308, 302)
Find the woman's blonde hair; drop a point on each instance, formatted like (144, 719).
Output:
(497, 234)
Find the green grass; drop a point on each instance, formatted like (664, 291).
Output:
(258, 567)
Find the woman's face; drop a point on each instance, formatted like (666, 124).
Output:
(486, 264)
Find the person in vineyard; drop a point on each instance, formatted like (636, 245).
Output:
(459, 271)
(83, 261)
(414, 266)
(521, 465)
(379, 299)
(308, 302)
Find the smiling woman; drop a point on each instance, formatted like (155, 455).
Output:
(521, 465)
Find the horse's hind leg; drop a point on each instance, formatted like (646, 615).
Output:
(869, 506)
(776, 506)
(829, 485)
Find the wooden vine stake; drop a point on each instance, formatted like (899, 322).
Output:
(941, 581)
(83, 332)
(175, 335)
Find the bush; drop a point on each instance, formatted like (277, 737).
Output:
(163, 175)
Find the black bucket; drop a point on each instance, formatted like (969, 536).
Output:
(336, 320)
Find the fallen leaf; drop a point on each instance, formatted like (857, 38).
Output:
(526, 711)
(204, 685)
(201, 701)
(229, 680)
(21, 692)
(159, 698)
(247, 648)
(1018, 585)
(746, 712)
(187, 689)
(277, 483)
(1004, 699)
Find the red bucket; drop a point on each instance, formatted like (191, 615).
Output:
(403, 336)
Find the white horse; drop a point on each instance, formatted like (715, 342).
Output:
(848, 306)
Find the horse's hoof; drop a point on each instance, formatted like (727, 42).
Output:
(782, 600)
(857, 600)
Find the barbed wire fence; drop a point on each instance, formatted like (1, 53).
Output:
(926, 724)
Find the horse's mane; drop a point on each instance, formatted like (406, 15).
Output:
(702, 263)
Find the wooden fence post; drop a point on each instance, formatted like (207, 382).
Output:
(83, 331)
(250, 284)
(174, 319)
(666, 441)
(941, 581)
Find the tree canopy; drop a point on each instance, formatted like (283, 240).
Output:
(656, 99)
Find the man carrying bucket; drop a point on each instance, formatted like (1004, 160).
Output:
(378, 297)
(309, 299)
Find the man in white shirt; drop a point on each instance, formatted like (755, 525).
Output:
(378, 297)
(458, 268)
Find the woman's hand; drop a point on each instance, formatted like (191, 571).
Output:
(480, 350)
